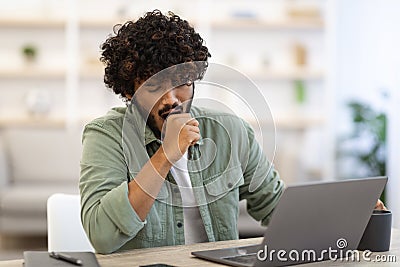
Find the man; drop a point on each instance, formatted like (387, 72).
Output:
(153, 175)
(145, 193)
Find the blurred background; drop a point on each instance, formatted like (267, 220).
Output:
(329, 70)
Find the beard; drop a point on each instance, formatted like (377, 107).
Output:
(151, 123)
(150, 120)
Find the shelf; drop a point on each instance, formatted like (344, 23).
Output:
(97, 72)
(286, 75)
(92, 72)
(292, 123)
(299, 123)
(32, 23)
(32, 122)
(247, 24)
(262, 74)
(59, 122)
(41, 121)
(106, 24)
(232, 23)
(32, 73)
(271, 75)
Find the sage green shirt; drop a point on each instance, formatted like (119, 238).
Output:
(228, 166)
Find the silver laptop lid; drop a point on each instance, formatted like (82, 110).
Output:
(309, 219)
(316, 217)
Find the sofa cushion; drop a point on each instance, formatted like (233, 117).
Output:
(43, 155)
(23, 225)
(30, 198)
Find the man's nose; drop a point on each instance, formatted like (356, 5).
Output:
(169, 98)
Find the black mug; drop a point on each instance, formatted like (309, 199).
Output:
(377, 234)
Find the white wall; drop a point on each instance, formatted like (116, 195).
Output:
(368, 62)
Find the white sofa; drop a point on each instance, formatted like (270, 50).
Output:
(35, 163)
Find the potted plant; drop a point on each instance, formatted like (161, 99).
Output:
(30, 52)
(369, 139)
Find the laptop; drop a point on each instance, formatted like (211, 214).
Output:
(312, 222)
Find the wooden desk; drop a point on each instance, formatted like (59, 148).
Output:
(180, 255)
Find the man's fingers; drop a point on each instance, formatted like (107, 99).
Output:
(379, 205)
(191, 128)
(193, 122)
(184, 119)
(193, 142)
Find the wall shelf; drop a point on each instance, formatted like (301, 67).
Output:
(92, 72)
(293, 123)
(247, 24)
(34, 22)
(301, 123)
(106, 24)
(40, 121)
(273, 75)
(32, 73)
(231, 23)
(261, 74)
(32, 122)
(286, 75)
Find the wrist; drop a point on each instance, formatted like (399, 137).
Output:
(161, 161)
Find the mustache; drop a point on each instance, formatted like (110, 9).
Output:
(164, 112)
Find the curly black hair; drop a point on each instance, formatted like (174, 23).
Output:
(140, 49)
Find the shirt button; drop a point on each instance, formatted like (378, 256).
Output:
(179, 224)
(230, 185)
(176, 190)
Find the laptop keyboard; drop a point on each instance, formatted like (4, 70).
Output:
(247, 258)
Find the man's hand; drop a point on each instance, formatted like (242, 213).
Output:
(379, 205)
(181, 131)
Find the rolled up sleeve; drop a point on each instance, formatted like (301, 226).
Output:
(261, 200)
(107, 215)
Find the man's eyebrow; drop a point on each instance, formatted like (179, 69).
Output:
(154, 81)
(151, 84)
(153, 87)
